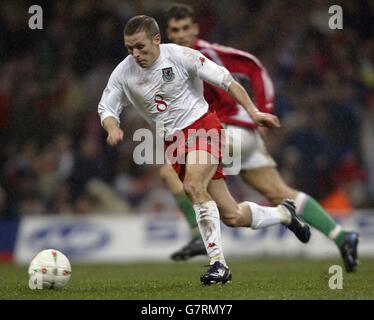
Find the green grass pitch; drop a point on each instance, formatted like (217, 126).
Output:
(261, 278)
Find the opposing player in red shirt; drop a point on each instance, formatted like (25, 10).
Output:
(258, 169)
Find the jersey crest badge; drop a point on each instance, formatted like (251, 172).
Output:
(168, 74)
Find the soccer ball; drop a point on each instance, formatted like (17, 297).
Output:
(50, 269)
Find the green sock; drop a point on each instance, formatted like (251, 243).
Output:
(185, 205)
(313, 214)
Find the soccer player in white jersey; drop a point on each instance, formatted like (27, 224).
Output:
(164, 82)
(258, 169)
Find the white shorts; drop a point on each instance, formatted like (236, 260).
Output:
(253, 153)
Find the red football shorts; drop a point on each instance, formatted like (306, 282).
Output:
(205, 134)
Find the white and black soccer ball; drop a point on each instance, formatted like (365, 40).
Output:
(50, 269)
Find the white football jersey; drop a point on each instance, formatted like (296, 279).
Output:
(170, 92)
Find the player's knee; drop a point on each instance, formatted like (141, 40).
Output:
(231, 221)
(193, 189)
(190, 189)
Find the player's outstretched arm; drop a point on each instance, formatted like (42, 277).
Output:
(197, 64)
(115, 133)
(237, 91)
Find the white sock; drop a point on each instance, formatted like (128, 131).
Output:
(207, 216)
(335, 232)
(263, 217)
(300, 201)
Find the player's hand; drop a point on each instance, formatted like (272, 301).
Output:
(115, 136)
(266, 120)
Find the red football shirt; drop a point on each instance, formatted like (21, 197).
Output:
(243, 66)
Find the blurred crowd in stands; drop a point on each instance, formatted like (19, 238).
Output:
(54, 158)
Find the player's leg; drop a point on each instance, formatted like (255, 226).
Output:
(195, 184)
(198, 173)
(249, 214)
(197, 180)
(268, 182)
(259, 171)
(196, 245)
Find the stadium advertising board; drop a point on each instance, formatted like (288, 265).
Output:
(117, 238)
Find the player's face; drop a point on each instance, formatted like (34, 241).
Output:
(144, 49)
(182, 31)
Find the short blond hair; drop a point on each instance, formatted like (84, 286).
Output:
(142, 23)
